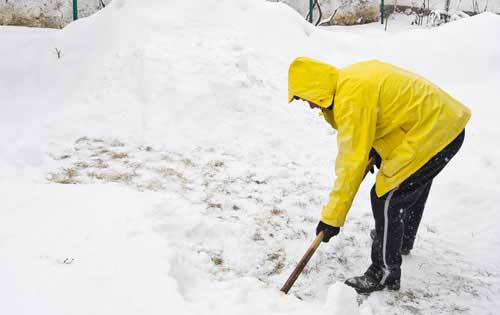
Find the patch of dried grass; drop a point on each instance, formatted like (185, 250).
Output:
(40, 20)
(118, 155)
(81, 164)
(217, 260)
(99, 163)
(65, 176)
(276, 211)
(278, 259)
(96, 175)
(170, 172)
(152, 185)
(360, 14)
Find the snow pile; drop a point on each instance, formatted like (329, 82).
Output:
(156, 167)
(342, 299)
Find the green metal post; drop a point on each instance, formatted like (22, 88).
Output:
(75, 10)
(310, 11)
(382, 11)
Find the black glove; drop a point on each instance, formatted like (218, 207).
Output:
(328, 231)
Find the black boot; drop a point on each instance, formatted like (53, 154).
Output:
(366, 284)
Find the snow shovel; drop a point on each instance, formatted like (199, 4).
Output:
(312, 248)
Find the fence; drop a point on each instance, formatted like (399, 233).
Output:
(348, 12)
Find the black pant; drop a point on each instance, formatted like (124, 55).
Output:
(398, 213)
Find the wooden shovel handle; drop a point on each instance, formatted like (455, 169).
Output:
(302, 263)
(314, 245)
(369, 165)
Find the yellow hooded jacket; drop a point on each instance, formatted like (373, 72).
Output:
(406, 118)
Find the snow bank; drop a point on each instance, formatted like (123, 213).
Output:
(199, 187)
(82, 250)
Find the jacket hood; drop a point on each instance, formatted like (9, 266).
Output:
(313, 81)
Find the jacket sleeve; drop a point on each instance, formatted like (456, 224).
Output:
(355, 112)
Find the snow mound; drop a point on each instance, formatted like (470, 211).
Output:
(343, 300)
(154, 70)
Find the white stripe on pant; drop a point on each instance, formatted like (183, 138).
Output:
(384, 244)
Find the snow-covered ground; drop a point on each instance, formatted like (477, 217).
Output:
(156, 168)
